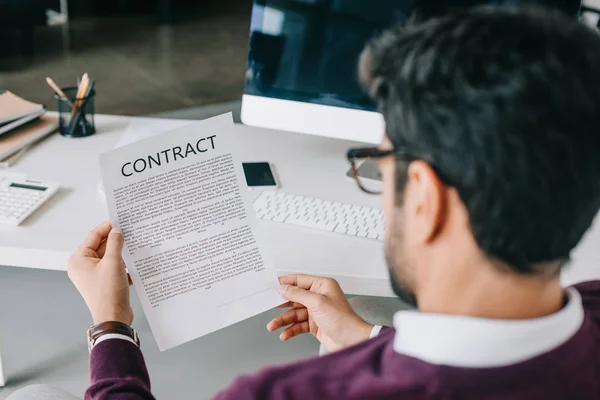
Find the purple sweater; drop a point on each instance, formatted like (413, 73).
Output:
(374, 370)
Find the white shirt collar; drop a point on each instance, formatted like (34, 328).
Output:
(477, 342)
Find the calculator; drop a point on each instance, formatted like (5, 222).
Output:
(20, 197)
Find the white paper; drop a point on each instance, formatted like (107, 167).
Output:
(191, 237)
(144, 128)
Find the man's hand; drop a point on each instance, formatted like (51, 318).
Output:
(98, 271)
(318, 306)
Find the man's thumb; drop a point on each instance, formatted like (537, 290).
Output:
(297, 295)
(114, 243)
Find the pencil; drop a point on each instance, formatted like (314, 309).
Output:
(58, 91)
(85, 81)
(81, 91)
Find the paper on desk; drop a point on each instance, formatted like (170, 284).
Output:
(144, 128)
(191, 239)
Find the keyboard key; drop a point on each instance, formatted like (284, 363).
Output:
(311, 224)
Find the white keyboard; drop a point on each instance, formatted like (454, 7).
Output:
(331, 216)
(20, 197)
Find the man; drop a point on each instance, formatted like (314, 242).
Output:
(491, 176)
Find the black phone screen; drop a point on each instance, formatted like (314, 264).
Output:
(259, 174)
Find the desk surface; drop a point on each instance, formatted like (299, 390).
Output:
(306, 165)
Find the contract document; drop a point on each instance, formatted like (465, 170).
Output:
(191, 241)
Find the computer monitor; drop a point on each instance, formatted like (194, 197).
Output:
(302, 63)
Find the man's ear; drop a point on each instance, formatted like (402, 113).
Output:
(428, 202)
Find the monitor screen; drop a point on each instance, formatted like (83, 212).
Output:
(307, 50)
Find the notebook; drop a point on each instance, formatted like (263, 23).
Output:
(12, 142)
(12, 107)
(21, 121)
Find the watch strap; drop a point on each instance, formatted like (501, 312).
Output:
(110, 327)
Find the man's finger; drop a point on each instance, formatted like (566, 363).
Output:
(298, 295)
(114, 243)
(300, 280)
(303, 281)
(295, 330)
(101, 249)
(288, 318)
(95, 237)
(129, 279)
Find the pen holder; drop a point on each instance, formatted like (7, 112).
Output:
(76, 116)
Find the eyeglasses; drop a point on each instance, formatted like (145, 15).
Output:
(365, 153)
(373, 153)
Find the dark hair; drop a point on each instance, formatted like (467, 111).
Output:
(505, 103)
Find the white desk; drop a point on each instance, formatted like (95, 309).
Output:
(306, 165)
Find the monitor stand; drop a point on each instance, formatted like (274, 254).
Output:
(369, 169)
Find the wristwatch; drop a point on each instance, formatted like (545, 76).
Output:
(110, 327)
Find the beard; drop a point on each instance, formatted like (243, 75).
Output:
(404, 294)
(398, 265)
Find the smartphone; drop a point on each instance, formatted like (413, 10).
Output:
(260, 174)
